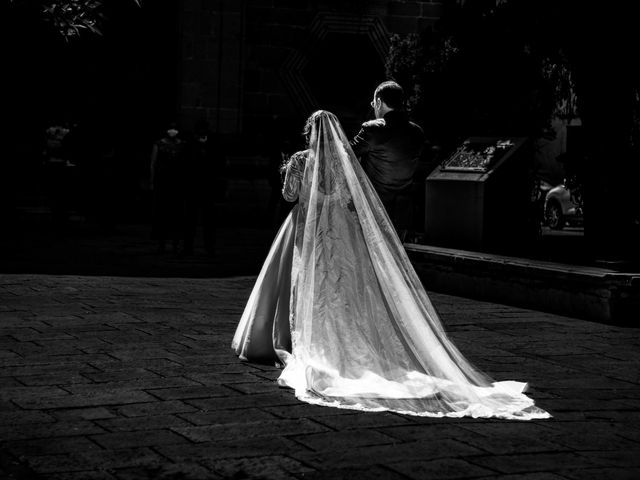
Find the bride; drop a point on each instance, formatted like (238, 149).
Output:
(338, 303)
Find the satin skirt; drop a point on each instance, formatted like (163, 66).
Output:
(263, 334)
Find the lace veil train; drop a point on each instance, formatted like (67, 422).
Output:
(364, 333)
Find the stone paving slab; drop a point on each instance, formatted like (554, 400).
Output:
(116, 378)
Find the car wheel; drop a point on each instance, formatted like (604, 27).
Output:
(554, 217)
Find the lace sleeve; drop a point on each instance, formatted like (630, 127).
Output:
(294, 169)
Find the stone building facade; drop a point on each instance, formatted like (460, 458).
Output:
(248, 63)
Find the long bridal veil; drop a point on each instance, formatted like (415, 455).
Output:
(364, 333)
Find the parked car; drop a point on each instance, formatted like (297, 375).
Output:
(563, 205)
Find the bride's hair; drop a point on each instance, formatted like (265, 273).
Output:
(317, 130)
(314, 121)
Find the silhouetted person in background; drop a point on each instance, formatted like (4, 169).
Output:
(167, 180)
(56, 163)
(88, 188)
(389, 148)
(202, 173)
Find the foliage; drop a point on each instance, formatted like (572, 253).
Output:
(70, 17)
(402, 64)
(411, 58)
(486, 68)
(558, 73)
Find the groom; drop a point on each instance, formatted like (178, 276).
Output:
(389, 148)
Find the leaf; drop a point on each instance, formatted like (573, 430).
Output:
(69, 17)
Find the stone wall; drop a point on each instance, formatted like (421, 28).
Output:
(248, 63)
(592, 293)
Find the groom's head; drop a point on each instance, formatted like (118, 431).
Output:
(388, 96)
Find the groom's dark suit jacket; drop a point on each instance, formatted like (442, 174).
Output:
(389, 149)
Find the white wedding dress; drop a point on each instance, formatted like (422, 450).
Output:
(340, 306)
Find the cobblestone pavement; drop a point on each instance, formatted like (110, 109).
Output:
(133, 378)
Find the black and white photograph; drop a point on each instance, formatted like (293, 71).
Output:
(320, 239)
